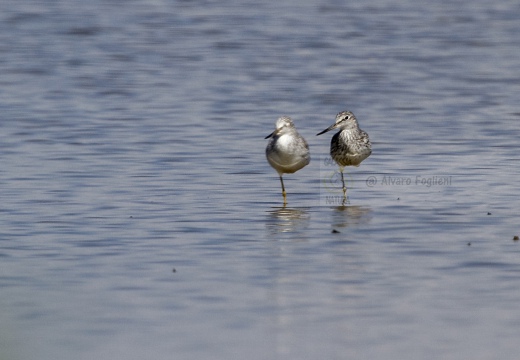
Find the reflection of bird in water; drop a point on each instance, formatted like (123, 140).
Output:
(284, 220)
(350, 146)
(347, 216)
(287, 152)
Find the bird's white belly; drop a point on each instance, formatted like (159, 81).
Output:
(286, 158)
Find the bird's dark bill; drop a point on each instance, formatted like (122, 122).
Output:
(270, 135)
(327, 129)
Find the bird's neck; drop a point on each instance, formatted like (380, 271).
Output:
(349, 133)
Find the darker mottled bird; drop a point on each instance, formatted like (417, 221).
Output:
(350, 146)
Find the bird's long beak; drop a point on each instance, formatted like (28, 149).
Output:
(327, 129)
(271, 134)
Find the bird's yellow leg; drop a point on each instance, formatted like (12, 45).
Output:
(283, 191)
(344, 187)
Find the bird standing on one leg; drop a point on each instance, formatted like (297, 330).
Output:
(287, 151)
(350, 146)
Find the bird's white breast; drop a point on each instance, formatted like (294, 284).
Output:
(284, 142)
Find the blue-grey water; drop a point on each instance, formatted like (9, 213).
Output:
(139, 218)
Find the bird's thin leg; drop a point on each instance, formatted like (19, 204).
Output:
(343, 182)
(283, 191)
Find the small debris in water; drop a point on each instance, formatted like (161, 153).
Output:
(334, 231)
(174, 270)
(516, 238)
(489, 213)
(469, 244)
(398, 199)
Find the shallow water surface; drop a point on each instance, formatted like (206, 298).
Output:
(140, 218)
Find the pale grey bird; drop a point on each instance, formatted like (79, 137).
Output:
(350, 146)
(287, 151)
